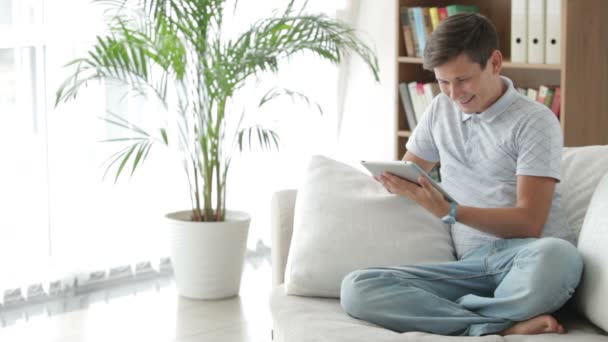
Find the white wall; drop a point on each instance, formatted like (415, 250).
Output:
(368, 123)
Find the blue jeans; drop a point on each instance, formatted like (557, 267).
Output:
(485, 292)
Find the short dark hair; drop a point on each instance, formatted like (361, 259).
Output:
(471, 33)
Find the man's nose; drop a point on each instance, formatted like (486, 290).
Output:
(455, 92)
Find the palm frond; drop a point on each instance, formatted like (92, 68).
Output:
(266, 138)
(271, 40)
(124, 123)
(129, 55)
(294, 95)
(140, 144)
(137, 152)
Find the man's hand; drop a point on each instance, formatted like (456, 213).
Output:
(426, 195)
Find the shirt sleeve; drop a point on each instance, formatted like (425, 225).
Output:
(421, 142)
(540, 143)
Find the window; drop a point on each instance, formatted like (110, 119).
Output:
(59, 219)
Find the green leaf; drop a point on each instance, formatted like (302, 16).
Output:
(124, 123)
(266, 138)
(114, 158)
(149, 147)
(163, 133)
(123, 139)
(125, 159)
(294, 95)
(140, 152)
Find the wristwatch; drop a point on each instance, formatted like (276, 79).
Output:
(450, 218)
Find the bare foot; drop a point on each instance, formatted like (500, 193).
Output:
(537, 325)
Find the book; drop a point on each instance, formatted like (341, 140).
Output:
(542, 94)
(453, 9)
(434, 13)
(414, 27)
(417, 100)
(408, 107)
(443, 13)
(546, 95)
(430, 91)
(532, 94)
(428, 22)
(422, 97)
(408, 38)
(420, 30)
(549, 97)
(557, 100)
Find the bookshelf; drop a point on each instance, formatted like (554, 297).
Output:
(582, 73)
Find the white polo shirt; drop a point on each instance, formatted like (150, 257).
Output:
(482, 154)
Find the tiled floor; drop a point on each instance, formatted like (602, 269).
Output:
(159, 314)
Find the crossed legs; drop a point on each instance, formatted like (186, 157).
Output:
(508, 287)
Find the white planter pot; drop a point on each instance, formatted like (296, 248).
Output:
(208, 257)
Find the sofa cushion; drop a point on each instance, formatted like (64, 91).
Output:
(592, 295)
(345, 220)
(300, 319)
(281, 227)
(581, 170)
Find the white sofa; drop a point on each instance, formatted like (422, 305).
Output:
(584, 181)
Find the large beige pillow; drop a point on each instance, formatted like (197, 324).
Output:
(592, 294)
(344, 220)
(581, 170)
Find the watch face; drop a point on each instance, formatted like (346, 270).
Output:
(448, 219)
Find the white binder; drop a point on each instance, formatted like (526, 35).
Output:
(519, 31)
(553, 35)
(536, 31)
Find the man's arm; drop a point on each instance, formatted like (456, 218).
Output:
(526, 219)
(424, 164)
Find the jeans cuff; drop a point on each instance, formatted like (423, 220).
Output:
(487, 328)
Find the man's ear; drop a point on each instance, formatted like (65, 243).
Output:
(496, 61)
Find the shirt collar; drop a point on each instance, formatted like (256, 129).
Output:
(497, 107)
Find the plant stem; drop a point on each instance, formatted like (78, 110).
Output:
(218, 179)
(196, 215)
(218, 206)
(207, 197)
(208, 188)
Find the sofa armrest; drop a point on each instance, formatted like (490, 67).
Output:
(281, 228)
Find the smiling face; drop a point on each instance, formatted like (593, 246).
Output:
(471, 87)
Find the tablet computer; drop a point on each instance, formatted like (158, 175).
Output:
(405, 169)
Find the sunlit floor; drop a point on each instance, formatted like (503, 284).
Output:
(158, 313)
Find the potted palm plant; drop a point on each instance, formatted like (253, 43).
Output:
(174, 52)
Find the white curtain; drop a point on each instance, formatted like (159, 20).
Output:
(59, 220)
(303, 130)
(366, 111)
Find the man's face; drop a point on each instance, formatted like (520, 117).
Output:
(472, 88)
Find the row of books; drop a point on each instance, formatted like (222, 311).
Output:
(419, 22)
(416, 97)
(536, 31)
(550, 96)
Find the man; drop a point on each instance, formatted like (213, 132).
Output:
(500, 156)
